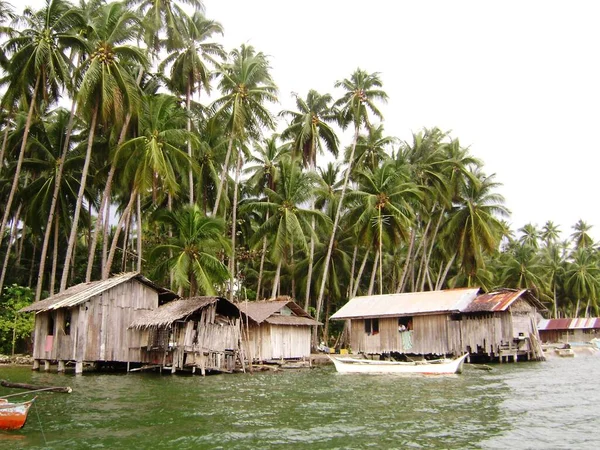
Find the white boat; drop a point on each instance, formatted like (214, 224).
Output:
(437, 366)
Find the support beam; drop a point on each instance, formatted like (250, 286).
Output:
(47, 365)
(61, 366)
(36, 364)
(79, 367)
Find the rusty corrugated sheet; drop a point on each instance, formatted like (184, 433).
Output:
(494, 301)
(414, 303)
(569, 324)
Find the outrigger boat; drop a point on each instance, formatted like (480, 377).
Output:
(14, 415)
(437, 366)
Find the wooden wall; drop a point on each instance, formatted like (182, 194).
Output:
(266, 342)
(565, 336)
(99, 327)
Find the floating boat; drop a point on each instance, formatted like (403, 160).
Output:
(437, 366)
(565, 351)
(13, 415)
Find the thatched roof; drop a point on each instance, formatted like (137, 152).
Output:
(166, 314)
(270, 311)
(82, 292)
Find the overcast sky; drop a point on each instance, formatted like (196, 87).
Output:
(516, 81)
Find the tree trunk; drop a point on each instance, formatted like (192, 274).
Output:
(411, 244)
(188, 104)
(11, 240)
(311, 257)
(351, 284)
(373, 272)
(5, 140)
(139, 233)
(336, 221)
(113, 246)
(238, 168)
(380, 254)
(359, 275)
(20, 159)
(54, 256)
(262, 264)
(223, 176)
(84, 173)
(276, 279)
(446, 270)
(50, 221)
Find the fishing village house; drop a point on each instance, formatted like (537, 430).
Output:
(569, 330)
(191, 333)
(277, 329)
(88, 323)
(493, 326)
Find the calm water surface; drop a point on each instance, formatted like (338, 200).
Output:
(554, 404)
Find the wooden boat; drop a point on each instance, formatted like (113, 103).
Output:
(437, 366)
(565, 351)
(13, 415)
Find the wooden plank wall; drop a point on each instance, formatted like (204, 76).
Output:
(289, 341)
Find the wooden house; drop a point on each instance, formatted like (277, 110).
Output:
(277, 329)
(89, 322)
(496, 325)
(569, 330)
(198, 332)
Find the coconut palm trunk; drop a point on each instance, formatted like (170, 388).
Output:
(113, 247)
(223, 175)
(13, 236)
(15, 183)
(238, 168)
(50, 221)
(84, 173)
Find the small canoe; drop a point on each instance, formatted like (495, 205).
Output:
(14, 415)
(438, 366)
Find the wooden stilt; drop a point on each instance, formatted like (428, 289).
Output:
(46, 365)
(78, 367)
(36, 364)
(61, 366)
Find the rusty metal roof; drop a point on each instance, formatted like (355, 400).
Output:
(569, 324)
(407, 304)
(264, 310)
(80, 293)
(501, 301)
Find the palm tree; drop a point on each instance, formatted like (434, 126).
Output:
(288, 223)
(582, 278)
(246, 85)
(362, 91)
(474, 227)
(192, 254)
(581, 235)
(107, 90)
(155, 155)
(38, 58)
(371, 148)
(550, 233)
(189, 71)
(530, 235)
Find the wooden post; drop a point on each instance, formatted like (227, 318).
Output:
(78, 366)
(61, 366)
(46, 365)
(36, 364)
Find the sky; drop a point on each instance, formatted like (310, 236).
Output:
(516, 82)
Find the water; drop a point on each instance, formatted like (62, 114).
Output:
(525, 405)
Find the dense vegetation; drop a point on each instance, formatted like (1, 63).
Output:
(132, 140)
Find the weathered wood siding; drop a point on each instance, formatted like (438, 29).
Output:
(267, 341)
(566, 336)
(99, 327)
(388, 339)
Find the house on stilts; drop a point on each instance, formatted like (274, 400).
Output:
(277, 329)
(192, 333)
(499, 325)
(88, 322)
(565, 331)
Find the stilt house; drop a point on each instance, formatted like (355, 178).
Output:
(199, 332)
(569, 330)
(277, 329)
(89, 322)
(496, 325)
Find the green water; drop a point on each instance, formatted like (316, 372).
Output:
(525, 405)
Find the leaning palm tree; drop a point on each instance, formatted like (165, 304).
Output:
(107, 90)
(191, 255)
(39, 65)
(581, 235)
(582, 279)
(362, 91)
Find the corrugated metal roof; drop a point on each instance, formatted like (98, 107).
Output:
(260, 311)
(291, 320)
(176, 310)
(390, 305)
(500, 301)
(82, 292)
(569, 324)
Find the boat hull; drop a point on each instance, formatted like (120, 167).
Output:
(439, 367)
(14, 415)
